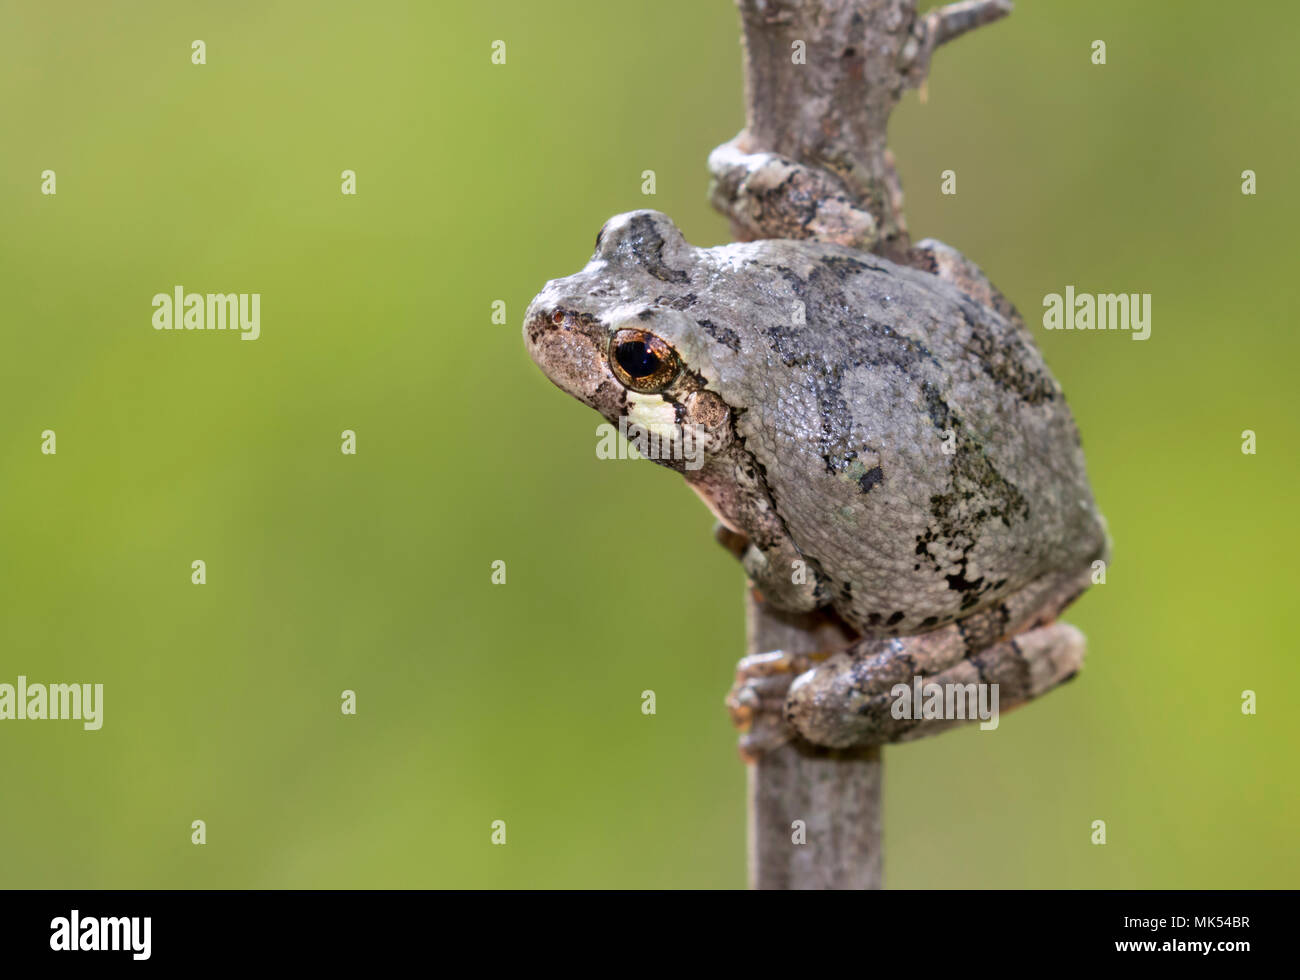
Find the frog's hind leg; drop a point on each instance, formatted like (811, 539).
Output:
(833, 685)
(1022, 668)
(851, 697)
(854, 697)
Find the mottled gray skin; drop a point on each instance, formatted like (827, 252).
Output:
(828, 434)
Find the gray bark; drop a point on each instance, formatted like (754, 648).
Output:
(835, 794)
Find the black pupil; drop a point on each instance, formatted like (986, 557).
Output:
(636, 358)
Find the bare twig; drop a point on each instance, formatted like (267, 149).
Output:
(946, 23)
(942, 25)
(814, 814)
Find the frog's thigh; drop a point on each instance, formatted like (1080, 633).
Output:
(1022, 667)
(849, 700)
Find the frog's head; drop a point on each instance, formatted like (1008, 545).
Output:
(613, 336)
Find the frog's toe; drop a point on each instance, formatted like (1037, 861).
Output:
(756, 701)
(768, 733)
(757, 694)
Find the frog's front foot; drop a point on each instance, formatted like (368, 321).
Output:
(767, 195)
(757, 700)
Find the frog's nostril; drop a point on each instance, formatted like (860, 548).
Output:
(537, 323)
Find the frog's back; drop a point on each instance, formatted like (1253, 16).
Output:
(913, 439)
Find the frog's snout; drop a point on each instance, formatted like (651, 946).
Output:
(568, 346)
(537, 321)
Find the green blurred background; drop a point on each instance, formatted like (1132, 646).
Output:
(372, 572)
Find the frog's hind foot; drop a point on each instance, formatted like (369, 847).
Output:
(756, 702)
(903, 689)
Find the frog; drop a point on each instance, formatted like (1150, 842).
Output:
(879, 441)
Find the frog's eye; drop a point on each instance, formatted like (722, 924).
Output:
(642, 361)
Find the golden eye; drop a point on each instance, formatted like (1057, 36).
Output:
(642, 362)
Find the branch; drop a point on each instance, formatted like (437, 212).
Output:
(944, 24)
(821, 80)
(836, 795)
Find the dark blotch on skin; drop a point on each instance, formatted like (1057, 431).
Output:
(646, 245)
(724, 335)
(977, 494)
(960, 583)
(822, 291)
(871, 478)
(1005, 361)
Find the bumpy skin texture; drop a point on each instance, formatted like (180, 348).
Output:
(827, 436)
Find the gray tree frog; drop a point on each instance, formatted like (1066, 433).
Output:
(880, 439)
